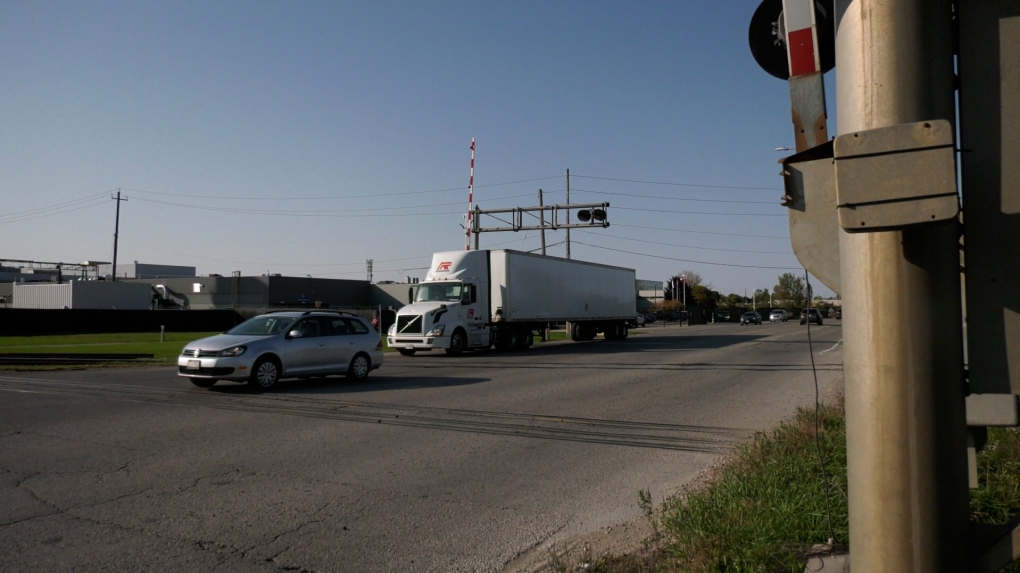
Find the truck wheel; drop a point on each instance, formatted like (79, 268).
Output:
(406, 351)
(576, 332)
(458, 343)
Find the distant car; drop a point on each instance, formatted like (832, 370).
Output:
(750, 318)
(778, 315)
(839, 313)
(811, 314)
(639, 320)
(268, 347)
(649, 318)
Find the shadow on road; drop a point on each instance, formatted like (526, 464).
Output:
(343, 385)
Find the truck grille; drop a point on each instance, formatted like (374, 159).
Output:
(409, 324)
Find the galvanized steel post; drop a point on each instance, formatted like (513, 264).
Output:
(906, 440)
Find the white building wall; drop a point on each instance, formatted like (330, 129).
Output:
(83, 294)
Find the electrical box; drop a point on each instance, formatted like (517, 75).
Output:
(897, 176)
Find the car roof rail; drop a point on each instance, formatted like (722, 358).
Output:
(332, 311)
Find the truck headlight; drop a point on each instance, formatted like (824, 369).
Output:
(392, 330)
(437, 330)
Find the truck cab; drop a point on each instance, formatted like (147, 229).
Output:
(450, 309)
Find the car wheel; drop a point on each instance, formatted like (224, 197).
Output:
(406, 351)
(203, 382)
(265, 374)
(458, 343)
(359, 367)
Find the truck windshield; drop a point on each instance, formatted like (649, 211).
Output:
(446, 292)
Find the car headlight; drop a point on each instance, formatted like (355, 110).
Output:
(232, 351)
(437, 330)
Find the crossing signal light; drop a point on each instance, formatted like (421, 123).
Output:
(591, 215)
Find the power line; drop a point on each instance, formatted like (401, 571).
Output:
(316, 213)
(321, 198)
(702, 232)
(659, 197)
(688, 246)
(703, 212)
(794, 267)
(736, 187)
(59, 208)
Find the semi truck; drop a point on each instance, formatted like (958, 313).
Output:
(500, 298)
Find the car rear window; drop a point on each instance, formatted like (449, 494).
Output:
(357, 327)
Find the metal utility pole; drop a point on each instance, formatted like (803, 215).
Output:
(906, 441)
(541, 219)
(568, 214)
(116, 232)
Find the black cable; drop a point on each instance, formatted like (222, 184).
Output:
(818, 406)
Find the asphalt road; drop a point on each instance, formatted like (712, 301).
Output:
(433, 464)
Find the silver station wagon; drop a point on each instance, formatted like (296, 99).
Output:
(266, 348)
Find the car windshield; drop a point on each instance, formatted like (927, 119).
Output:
(446, 292)
(264, 325)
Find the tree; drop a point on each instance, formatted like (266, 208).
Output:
(790, 290)
(703, 295)
(692, 279)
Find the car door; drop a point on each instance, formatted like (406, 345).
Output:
(307, 348)
(341, 344)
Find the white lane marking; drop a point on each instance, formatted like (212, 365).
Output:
(833, 347)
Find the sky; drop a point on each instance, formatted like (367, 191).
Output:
(305, 138)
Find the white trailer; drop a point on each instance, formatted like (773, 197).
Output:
(479, 299)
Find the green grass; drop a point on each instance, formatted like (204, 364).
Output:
(164, 352)
(765, 508)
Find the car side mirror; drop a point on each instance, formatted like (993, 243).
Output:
(294, 334)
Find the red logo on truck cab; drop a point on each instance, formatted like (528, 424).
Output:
(444, 267)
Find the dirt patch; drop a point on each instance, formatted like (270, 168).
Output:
(636, 537)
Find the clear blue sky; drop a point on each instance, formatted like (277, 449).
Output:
(303, 138)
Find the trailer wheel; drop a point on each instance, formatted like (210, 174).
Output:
(576, 332)
(458, 343)
(521, 339)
